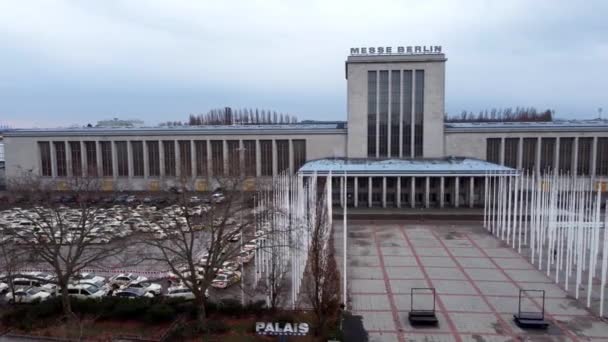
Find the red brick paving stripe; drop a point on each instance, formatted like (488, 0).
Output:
(451, 325)
(474, 286)
(389, 292)
(551, 317)
(453, 295)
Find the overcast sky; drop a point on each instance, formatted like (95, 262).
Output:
(75, 62)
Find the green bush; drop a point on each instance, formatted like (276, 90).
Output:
(216, 327)
(158, 313)
(129, 309)
(231, 307)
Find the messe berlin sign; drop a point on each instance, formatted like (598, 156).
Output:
(397, 50)
(281, 329)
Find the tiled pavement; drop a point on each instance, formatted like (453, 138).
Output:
(477, 280)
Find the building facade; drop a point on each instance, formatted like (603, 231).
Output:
(394, 150)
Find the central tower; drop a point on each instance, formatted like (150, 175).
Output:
(395, 103)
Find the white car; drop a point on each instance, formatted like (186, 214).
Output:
(27, 295)
(84, 291)
(147, 286)
(245, 256)
(179, 292)
(224, 280)
(3, 288)
(133, 293)
(126, 278)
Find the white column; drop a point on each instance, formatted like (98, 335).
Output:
(178, 161)
(291, 164)
(575, 157)
(537, 157)
(413, 192)
(556, 155)
(342, 199)
(471, 192)
(98, 155)
(502, 151)
(145, 158)
(369, 192)
(383, 192)
(258, 159)
(398, 192)
(457, 192)
(356, 192)
(68, 158)
(83, 158)
(274, 157)
(130, 158)
(161, 158)
(441, 192)
(520, 152)
(593, 157)
(114, 160)
(209, 159)
(53, 159)
(427, 192)
(225, 156)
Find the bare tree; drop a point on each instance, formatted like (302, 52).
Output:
(321, 284)
(13, 259)
(67, 239)
(275, 285)
(198, 240)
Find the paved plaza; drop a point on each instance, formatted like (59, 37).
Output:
(477, 279)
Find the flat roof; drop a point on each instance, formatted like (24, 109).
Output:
(370, 167)
(298, 128)
(555, 125)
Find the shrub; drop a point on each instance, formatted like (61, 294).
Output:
(215, 327)
(231, 307)
(129, 309)
(158, 313)
(256, 308)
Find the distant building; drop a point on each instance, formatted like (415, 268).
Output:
(395, 148)
(116, 123)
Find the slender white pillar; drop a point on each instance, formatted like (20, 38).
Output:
(145, 158)
(398, 192)
(356, 192)
(413, 192)
(427, 192)
(457, 192)
(441, 192)
(369, 192)
(383, 192)
(471, 192)
(342, 192)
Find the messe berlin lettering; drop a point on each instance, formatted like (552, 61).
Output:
(275, 328)
(399, 50)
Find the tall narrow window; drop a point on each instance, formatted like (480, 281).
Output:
(137, 147)
(217, 157)
(299, 154)
(91, 154)
(601, 159)
(511, 152)
(122, 158)
(266, 157)
(419, 113)
(407, 113)
(60, 159)
(493, 150)
(200, 149)
(395, 110)
(282, 155)
(383, 115)
(566, 147)
(76, 156)
(153, 158)
(547, 154)
(45, 158)
(233, 157)
(169, 152)
(250, 160)
(372, 81)
(106, 158)
(584, 156)
(185, 158)
(528, 161)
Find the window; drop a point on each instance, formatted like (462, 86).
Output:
(407, 113)
(584, 156)
(60, 158)
(122, 158)
(372, 81)
(299, 154)
(200, 151)
(217, 157)
(91, 154)
(528, 161)
(106, 158)
(266, 157)
(76, 156)
(233, 157)
(493, 150)
(419, 113)
(601, 159)
(250, 160)
(169, 151)
(566, 146)
(185, 158)
(547, 154)
(45, 158)
(383, 115)
(395, 119)
(282, 155)
(511, 152)
(137, 148)
(153, 158)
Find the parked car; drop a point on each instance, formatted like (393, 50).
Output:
(125, 278)
(90, 278)
(245, 256)
(225, 280)
(30, 295)
(132, 293)
(180, 292)
(3, 288)
(146, 285)
(84, 291)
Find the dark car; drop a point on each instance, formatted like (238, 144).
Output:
(121, 199)
(132, 292)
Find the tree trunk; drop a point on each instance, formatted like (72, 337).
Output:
(66, 304)
(201, 315)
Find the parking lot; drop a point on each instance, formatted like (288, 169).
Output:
(477, 281)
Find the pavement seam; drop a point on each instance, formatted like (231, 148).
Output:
(451, 324)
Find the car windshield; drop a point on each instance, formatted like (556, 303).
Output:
(33, 291)
(221, 277)
(91, 289)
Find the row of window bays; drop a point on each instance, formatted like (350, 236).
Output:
(584, 156)
(408, 191)
(170, 158)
